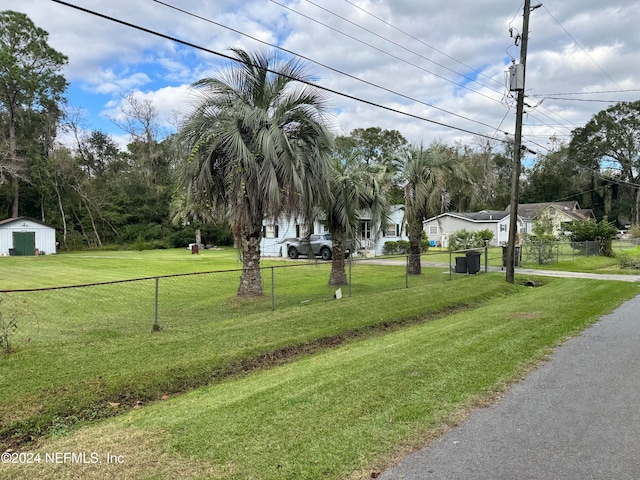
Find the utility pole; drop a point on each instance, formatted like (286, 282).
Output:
(517, 147)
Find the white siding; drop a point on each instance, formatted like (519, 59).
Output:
(45, 235)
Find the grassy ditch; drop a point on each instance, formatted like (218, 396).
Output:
(83, 360)
(350, 411)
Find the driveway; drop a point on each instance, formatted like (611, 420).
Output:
(575, 418)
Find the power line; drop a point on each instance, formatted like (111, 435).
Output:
(353, 77)
(387, 53)
(422, 42)
(403, 47)
(229, 57)
(384, 51)
(584, 93)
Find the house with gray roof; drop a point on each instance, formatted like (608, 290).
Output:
(559, 213)
(440, 228)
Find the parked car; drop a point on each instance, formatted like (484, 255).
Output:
(319, 245)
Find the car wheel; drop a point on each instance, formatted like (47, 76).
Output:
(293, 253)
(325, 253)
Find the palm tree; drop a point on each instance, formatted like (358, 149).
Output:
(259, 149)
(425, 175)
(356, 189)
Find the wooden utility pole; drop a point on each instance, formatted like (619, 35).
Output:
(517, 150)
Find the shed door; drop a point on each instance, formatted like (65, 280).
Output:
(24, 243)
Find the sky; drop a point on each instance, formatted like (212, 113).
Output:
(445, 62)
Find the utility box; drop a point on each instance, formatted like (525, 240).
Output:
(516, 77)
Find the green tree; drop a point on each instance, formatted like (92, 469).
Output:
(540, 244)
(602, 232)
(356, 189)
(378, 149)
(259, 149)
(611, 140)
(30, 81)
(425, 176)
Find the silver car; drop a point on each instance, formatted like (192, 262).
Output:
(318, 244)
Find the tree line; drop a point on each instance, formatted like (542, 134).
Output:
(256, 146)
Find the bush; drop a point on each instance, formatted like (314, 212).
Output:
(634, 232)
(602, 232)
(390, 248)
(628, 261)
(424, 242)
(463, 239)
(403, 247)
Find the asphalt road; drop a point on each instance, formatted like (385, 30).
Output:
(577, 417)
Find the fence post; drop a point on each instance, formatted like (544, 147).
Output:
(486, 258)
(273, 290)
(406, 273)
(350, 260)
(156, 326)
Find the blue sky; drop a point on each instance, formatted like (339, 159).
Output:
(571, 50)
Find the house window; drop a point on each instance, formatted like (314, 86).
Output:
(503, 227)
(392, 231)
(365, 232)
(433, 230)
(270, 231)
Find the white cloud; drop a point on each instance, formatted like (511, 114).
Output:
(111, 59)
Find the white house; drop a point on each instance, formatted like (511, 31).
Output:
(26, 236)
(440, 228)
(276, 234)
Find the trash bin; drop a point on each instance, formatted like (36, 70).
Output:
(432, 243)
(473, 262)
(461, 264)
(517, 256)
(194, 248)
(12, 252)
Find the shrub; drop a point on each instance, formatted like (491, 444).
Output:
(628, 261)
(463, 239)
(602, 232)
(424, 242)
(403, 246)
(634, 232)
(390, 247)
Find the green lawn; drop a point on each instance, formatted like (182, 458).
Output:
(340, 413)
(103, 266)
(77, 349)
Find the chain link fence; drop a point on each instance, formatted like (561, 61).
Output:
(97, 312)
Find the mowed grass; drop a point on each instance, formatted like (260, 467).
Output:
(103, 266)
(89, 353)
(350, 411)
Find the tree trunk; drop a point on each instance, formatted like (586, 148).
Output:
(251, 278)
(338, 275)
(62, 214)
(414, 230)
(635, 216)
(13, 153)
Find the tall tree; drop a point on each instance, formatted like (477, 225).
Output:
(30, 80)
(426, 172)
(356, 190)
(376, 148)
(611, 139)
(259, 149)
